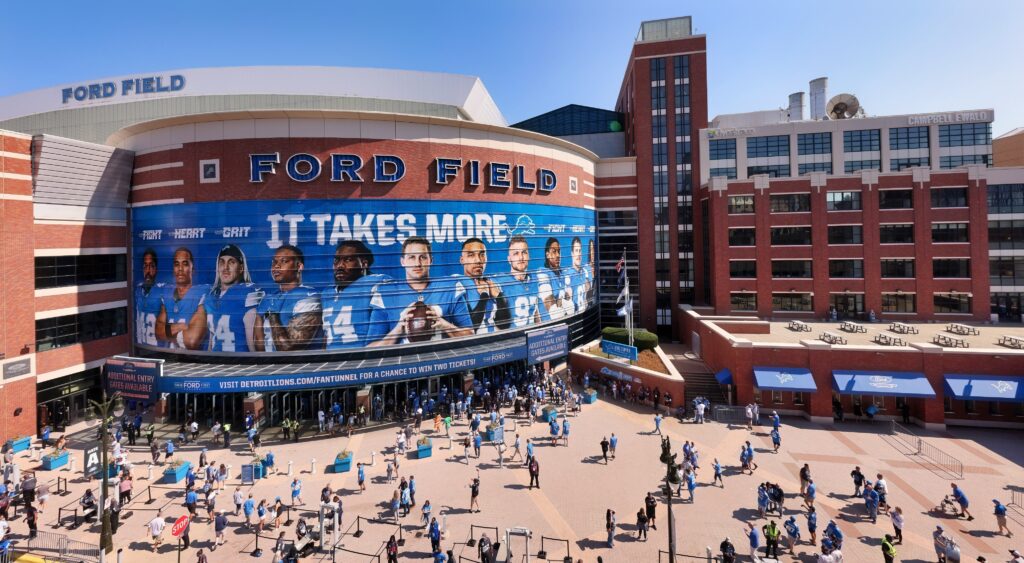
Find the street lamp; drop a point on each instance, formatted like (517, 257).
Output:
(109, 408)
(671, 478)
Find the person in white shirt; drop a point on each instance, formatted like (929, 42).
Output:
(321, 419)
(156, 529)
(4, 528)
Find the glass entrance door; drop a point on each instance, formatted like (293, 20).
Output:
(848, 305)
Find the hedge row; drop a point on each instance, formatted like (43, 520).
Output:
(642, 339)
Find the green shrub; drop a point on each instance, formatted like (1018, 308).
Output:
(642, 339)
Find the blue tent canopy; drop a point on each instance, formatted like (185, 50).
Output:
(784, 379)
(882, 383)
(724, 376)
(985, 387)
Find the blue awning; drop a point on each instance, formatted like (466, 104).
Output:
(985, 387)
(883, 383)
(784, 379)
(724, 376)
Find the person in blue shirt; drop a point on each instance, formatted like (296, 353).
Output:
(776, 420)
(871, 502)
(613, 443)
(580, 278)
(812, 491)
(553, 283)
(231, 303)
(1000, 512)
(296, 491)
(792, 533)
(718, 473)
(776, 439)
(657, 424)
(168, 450)
(181, 322)
(691, 483)
(750, 457)
(478, 441)
(190, 502)
(519, 290)
(149, 295)
(565, 431)
(446, 311)
(529, 452)
(554, 432)
(754, 539)
(435, 536)
(268, 461)
(290, 318)
(354, 312)
(248, 507)
(812, 524)
(961, 499)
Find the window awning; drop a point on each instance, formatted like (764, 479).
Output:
(724, 376)
(985, 387)
(882, 383)
(784, 379)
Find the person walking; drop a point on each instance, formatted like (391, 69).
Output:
(474, 492)
(776, 439)
(610, 527)
(516, 451)
(771, 539)
(754, 541)
(156, 530)
(1000, 512)
(248, 508)
(641, 524)
(604, 449)
(961, 499)
(529, 451)
(750, 417)
(810, 494)
(613, 442)
(888, 551)
(718, 473)
(939, 543)
(792, 534)
(651, 506)
(465, 449)
(534, 473)
(896, 516)
(435, 536)
(220, 524)
(296, 491)
(361, 477)
(32, 519)
(805, 477)
(657, 424)
(858, 480)
(728, 551)
(812, 525)
(392, 550)
(238, 498)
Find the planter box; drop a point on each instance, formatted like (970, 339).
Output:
(21, 444)
(488, 435)
(173, 475)
(424, 451)
(547, 414)
(343, 465)
(51, 463)
(590, 397)
(113, 470)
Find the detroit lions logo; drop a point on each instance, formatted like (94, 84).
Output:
(1002, 387)
(524, 226)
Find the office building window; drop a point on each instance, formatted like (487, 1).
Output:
(659, 127)
(773, 145)
(742, 237)
(683, 124)
(863, 140)
(899, 303)
(900, 233)
(842, 201)
(896, 199)
(792, 302)
(743, 268)
(852, 166)
(950, 232)
(684, 213)
(908, 138)
(846, 268)
(616, 219)
(791, 236)
(1006, 235)
(68, 330)
(951, 268)
(1006, 198)
(814, 143)
(965, 134)
(660, 180)
(790, 203)
(682, 95)
(947, 162)
(682, 152)
(898, 268)
(949, 197)
(809, 167)
(721, 149)
(1006, 270)
(66, 271)
(772, 170)
(681, 66)
(898, 164)
(684, 182)
(791, 269)
(739, 204)
(846, 234)
(659, 154)
(726, 172)
(952, 303)
(743, 301)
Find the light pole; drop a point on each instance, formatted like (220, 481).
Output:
(109, 408)
(671, 478)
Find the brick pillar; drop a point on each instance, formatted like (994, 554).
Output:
(819, 361)
(743, 371)
(932, 412)
(255, 405)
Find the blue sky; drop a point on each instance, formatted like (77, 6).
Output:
(533, 56)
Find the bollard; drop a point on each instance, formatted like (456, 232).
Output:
(444, 525)
(373, 458)
(707, 549)
(229, 471)
(71, 462)
(149, 473)
(312, 466)
(119, 554)
(289, 468)
(36, 453)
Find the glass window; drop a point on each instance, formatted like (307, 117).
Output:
(743, 301)
(681, 65)
(901, 233)
(741, 204)
(721, 149)
(659, 154)
(743, 268)
(791, 269)
(66, 271)
(791, 236)
(814, 143)
(1006, 198)
(908, 138)
(618, 218)
(792, 302)
(896, 199)
(842, 201)
(741, 237)
(965, 134)
(1006, 270)
(773, 145)
(684, 213)
(952, 303)
(682, 152)
(68, 330)
(682, 95)
(899, 303)
(727, 172)
(957, 161)
(660, 183)
(949, 197)
(898, 268)
(1006, 235)
(772, 170)
(949, 232)
(809, 167)
(684, 182)
(790, 203)
(845, 234)
(847, 268)
(659, 127)
(898, 164)
(851, 166)
(862, 140)
(951, 268)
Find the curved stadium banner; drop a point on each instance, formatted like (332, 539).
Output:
(302, 275)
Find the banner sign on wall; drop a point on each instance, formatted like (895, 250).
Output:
(281, 276)
(133, 378)
(617, 349)
(547, 344)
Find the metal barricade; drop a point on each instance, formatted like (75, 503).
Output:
(943, 460)
(1017, 499)
(62, 547)
(663, 557)
(729, 415)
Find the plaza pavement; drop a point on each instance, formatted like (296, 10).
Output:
(577, 489)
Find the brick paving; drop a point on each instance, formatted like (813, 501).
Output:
(577, 488)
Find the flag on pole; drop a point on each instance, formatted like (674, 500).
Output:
(620, 267)
(625, 309)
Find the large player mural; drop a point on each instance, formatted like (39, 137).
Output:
(302, 275)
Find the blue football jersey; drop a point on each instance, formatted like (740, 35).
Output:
(578, 284)
(300, 300)
(225, 316)
(555, 284)
(355, 316)
(147, 309)
(485, 324)
(523, 299)
(181, 310)
(446, 295)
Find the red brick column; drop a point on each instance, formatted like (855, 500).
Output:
(819, 355)
(932, 412)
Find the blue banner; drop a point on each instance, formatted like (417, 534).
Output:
(547, 344)
(617, 349)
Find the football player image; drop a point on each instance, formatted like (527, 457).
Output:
(429, 309)
(592, 294)
(231, 303)
(483, 295)
(182, 319)
(148, 297)
(290, 318)
(354, 312)
(553, 284)
(579, 276)
(519, 289)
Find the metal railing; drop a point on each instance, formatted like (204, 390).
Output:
(729, 415)
(943, 460)
(63, 547)
(663, 556)
(1017, 499)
